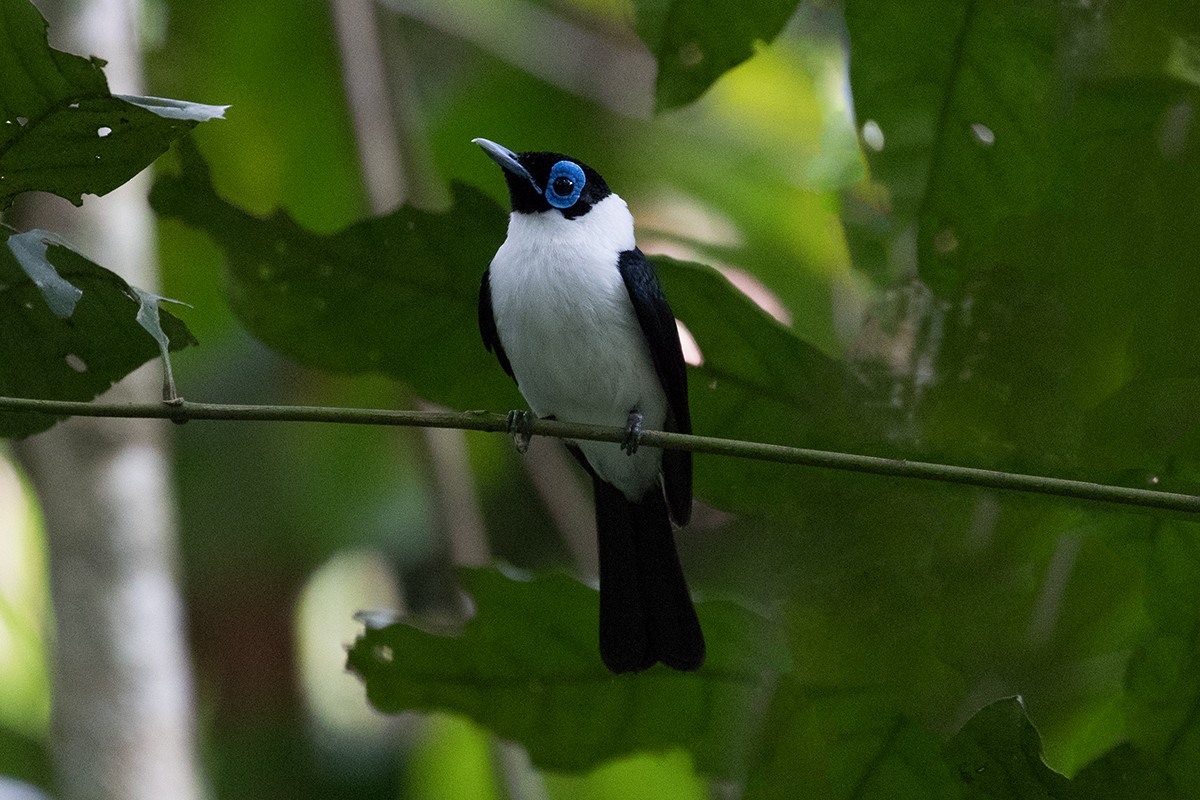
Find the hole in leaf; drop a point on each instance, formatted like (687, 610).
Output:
(103, 131)
(945, 242)
(690, 55)
(872, 135)
(383, 653)
(1176, 129)
(22, 121)
(983, 134)
(76, 363)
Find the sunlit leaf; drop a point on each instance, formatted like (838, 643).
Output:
(696, 42)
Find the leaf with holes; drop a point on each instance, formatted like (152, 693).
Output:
(396, 294)
(69, 328)
(61, 131)
(696, 42)
(954, 99)
(528, 667)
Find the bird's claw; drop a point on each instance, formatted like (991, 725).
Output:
(520, 425)
(633, 433)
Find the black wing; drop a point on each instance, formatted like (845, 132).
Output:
(658, 326)
(487, 325)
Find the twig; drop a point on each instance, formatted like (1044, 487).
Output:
(491, 422)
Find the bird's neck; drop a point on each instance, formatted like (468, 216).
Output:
(607, 227)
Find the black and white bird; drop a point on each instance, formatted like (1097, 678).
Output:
(574, 313)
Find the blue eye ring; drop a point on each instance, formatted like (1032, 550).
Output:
(565, 184)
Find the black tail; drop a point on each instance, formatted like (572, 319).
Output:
(646, 613)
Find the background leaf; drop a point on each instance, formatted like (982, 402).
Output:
(696, 42)
(999, 754)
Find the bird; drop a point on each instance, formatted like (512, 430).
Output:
(575, 314)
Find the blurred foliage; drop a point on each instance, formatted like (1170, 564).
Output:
(695, 42)
(1003, 277)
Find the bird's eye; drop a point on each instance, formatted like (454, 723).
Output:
(565, 184)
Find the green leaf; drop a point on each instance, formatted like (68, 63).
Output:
(61, 131)
(843, 743)
(697, 41)
(1163, 682)
(758, 382)
(527, 666)
(998, 754)
(69, 328)
(1123, 773)
(396, 295)
(959, 94)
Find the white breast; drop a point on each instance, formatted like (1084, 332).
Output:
(565, 321)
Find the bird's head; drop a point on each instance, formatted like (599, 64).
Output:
(540, 182)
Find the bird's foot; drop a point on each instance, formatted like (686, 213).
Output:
(633, 432)
(520, 425)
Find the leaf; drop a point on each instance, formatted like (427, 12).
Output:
(1163, 681)
(998, 754)
(61, 131)
(52, 350)
(30, 251)
(1123, 773)
(697, 41)
(396, 294)
(845, 743)
(959, 95)
(167, 108)
(150, 317)
(758, 382)
(527, 666)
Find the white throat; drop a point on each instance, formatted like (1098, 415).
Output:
(607, 227)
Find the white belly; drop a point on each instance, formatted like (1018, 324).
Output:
(565, 321)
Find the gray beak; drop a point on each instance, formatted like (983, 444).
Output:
(507, 159)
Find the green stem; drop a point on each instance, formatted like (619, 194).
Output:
(492, 422)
